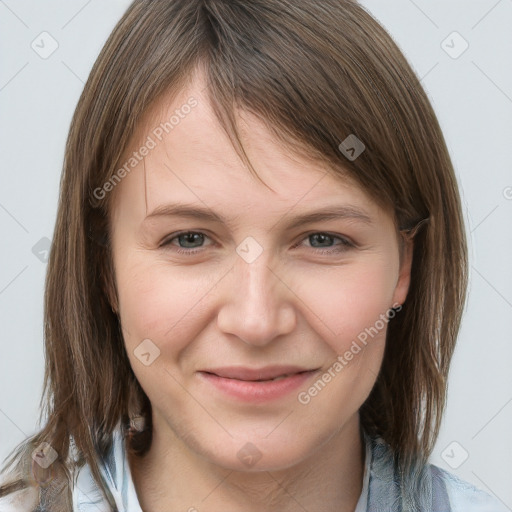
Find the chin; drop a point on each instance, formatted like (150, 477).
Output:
(256, 455)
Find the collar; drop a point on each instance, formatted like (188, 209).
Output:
(116, 474)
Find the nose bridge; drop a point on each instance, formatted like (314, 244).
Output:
(256, 306)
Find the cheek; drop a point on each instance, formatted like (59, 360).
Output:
(161, 303)
(346, 302)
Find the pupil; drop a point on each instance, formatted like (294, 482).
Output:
(321, 237)
(189, 238)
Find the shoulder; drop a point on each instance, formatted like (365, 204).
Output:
(464, 496)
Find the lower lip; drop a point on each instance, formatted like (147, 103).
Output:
(258, 391)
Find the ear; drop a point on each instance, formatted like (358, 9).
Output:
(404, 275)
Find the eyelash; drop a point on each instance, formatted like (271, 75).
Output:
(343, 246)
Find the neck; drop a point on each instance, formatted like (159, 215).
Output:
(172, 477)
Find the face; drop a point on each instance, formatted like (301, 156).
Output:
(223, 281)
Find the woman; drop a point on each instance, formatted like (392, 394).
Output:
(257, 274)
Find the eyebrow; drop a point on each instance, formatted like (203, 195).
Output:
(318, 215)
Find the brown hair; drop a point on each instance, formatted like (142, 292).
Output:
(316, 71)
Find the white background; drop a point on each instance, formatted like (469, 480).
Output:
(472, 95)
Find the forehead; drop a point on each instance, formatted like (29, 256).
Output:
(190, 158)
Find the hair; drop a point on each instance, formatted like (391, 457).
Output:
(316, 71)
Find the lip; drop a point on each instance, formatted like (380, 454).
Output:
(246, 373)
(254, 384)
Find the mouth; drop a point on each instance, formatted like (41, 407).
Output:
(268, 373)
(273, 379)
(256, 385)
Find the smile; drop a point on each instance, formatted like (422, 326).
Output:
(249, 385)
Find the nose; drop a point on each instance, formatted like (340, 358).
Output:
(256, 306)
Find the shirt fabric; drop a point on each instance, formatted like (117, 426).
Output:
(442, 491)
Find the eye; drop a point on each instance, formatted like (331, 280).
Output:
(191, 242)
(188, 242)
(320, 240)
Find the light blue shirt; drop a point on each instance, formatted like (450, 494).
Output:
(442, 491)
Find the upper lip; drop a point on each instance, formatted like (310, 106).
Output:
(265, 373)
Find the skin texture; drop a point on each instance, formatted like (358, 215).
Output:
(291, 305)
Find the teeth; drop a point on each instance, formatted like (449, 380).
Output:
(275, 378)
(280, 377)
